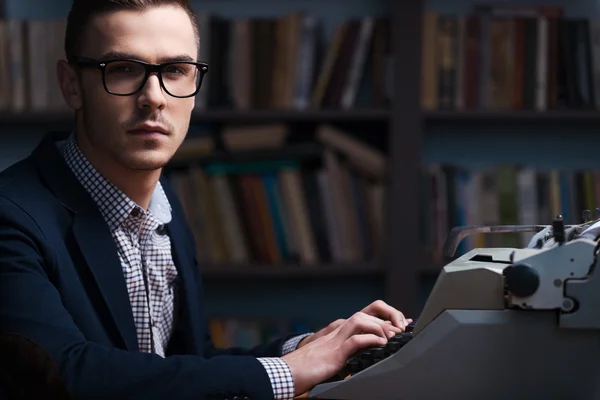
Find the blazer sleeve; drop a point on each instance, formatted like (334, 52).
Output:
(30, 305)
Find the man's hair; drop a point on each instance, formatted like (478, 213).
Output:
(82, 11)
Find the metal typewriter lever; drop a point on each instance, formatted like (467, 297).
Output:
(458, 233)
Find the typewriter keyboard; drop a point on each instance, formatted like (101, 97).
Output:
(367, 357)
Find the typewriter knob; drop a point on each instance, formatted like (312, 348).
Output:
(521, 279)
(585, 215)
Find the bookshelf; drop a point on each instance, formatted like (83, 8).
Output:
(343, 287)
(545, 147)
(413, 138)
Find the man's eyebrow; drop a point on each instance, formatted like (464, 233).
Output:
(181, 57)
(119, 55)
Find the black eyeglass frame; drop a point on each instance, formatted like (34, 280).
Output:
(202, 68)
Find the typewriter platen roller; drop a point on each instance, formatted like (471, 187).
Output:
(500, 323)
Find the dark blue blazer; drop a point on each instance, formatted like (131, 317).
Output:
(62, 286)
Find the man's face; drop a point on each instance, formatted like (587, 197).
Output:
(111, 123)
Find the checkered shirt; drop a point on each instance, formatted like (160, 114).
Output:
(150, 273)
(143, 248)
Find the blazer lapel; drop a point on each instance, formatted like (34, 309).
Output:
(100, 253)
(92, 236)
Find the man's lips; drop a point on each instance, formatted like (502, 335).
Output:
(147, 130)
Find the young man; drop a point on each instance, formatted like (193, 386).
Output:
(97, 264)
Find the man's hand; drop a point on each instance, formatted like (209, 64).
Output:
(377, 309)
(327, 354)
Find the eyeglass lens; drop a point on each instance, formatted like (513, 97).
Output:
(125, 77)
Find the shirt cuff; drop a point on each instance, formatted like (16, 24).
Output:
(292, 343)
(281, 377)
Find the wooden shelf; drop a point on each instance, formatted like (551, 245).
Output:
(291, 115)
(290, 271)
(510, 116)
(231, 116)
(299, 151)
(381, 115)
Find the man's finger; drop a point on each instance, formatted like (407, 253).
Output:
(385, 311)
(393, 328)
(365, 323)
(397, 318)
(337, 323)
(361, 341)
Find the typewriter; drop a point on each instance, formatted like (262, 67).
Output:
(499, 323)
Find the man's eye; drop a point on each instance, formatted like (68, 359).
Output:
(121, 69)
(173, 70)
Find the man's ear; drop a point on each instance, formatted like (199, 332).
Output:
(69, 84)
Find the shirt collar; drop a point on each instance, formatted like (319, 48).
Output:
(114, 205)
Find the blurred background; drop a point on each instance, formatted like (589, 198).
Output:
(335, 143)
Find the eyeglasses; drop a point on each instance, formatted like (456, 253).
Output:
(126, 77)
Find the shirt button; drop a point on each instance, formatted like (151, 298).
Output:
(135, 212)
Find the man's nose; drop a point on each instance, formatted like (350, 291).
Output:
(152, 95)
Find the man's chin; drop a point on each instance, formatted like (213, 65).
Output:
(146, 162)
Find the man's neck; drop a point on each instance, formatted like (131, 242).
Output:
(136, 184)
